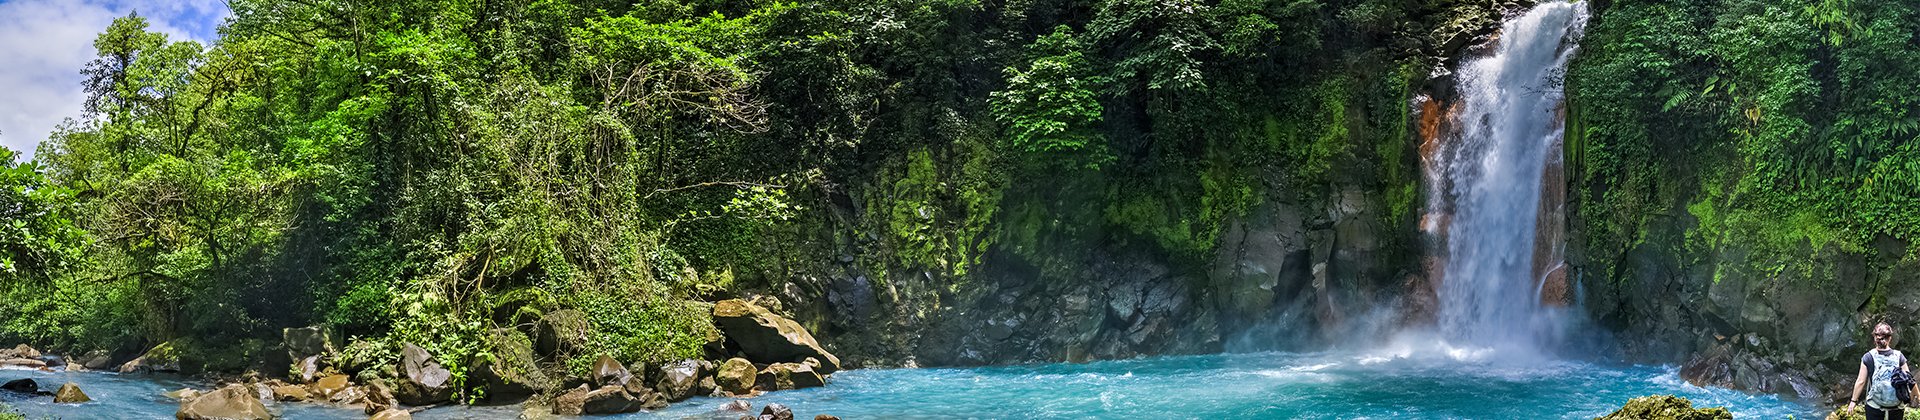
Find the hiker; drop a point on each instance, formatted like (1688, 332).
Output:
(1876, 369)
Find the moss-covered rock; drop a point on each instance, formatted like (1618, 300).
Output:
(1666, 407)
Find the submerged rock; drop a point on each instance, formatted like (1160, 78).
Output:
(425, 381)
(70, 394)
(234, 402)
(769, 338)
(736, 376)
(1666, 407)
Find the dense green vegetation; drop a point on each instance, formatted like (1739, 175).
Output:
(1785, 128)
(434, 171)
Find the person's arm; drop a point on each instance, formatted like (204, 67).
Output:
(1859, 384)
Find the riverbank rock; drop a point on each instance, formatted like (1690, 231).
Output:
(291, 393)
(329, 385)
(234, 402)
(21, 351)
(736, 376)
(767, 337)
(425, 381)
(678, 380)
(1666, 407)
(22, 385)
(609, 399)
(70, 394)
(161, 358)
(777, 412)
(509, 372)
(94, 360)
(825, 417)
(23, 363)
(392, 414)
(308, 342)
(607, 371)
(783, 376)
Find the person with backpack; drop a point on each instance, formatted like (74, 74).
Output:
(1878, 369)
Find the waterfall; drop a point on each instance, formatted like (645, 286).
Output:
(1490, 172)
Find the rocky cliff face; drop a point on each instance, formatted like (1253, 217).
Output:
(1736, 320)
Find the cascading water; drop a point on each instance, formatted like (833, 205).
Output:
(1507, 128)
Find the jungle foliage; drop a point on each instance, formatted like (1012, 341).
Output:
(428, 171)
(1784, 128)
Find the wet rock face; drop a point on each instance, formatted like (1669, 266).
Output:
(234, 402)
(1733, 323)
(767, 337)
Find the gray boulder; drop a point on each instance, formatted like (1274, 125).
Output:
(767, 337)
(423, 381)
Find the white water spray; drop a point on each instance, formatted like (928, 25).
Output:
(1507, 123)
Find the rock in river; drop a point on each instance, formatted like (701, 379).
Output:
(234, 402)
(767, 337)
(70, 394)
(22, 385)
(1666, 407)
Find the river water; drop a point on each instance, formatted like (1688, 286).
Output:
(1353, 385)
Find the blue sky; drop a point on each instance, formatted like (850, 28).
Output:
(45, 43)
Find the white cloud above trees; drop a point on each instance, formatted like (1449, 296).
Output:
(45, 43)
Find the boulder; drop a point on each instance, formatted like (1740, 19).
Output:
(161, 358)
(350, 395)
(330, 384)
(307, 369)
(291, 393)
(572, 402)
(736, 376)
(23, 363)
(379, 397)
(95, 360)
(736, 406)
(21, 351)
(607, 371)
(779, 412)
(424, 382)
(678, 380)
(53, 361)
(1666, 407)
(70, 394)
(509, 373)
(783, 376)
(22, 385)
(233, 402)
(613, 399)
(183, 394)
(767, 337)
(562, 331)
(392, 414)
(825, 417)
(306, 342)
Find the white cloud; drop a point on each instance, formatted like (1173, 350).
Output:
(45, 43)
